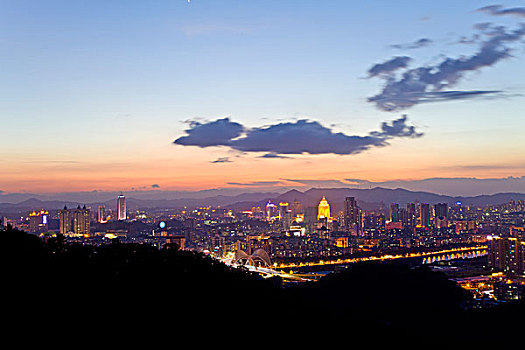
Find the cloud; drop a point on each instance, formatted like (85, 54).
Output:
(414, 45)
(256, 183)
(222, 160)
(398, 128)
(389, 66)
(498, 10)
(431, 83)
(299, 137)
(216, 133)
(273, 155)
(321, 183)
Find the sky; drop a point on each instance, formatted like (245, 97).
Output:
(124, 95)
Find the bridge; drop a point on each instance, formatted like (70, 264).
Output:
(427, 257)
(259, 261)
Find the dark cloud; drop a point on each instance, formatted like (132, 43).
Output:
(220, 159)
(389, 66)
(322, 183)
(155, 186)
(301, 137)
(256, 183)
(414, 45)
(216, 133)
(498, 10)
(273, 155)
(430, 83)
(397, 128)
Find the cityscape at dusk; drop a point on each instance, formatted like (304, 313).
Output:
(296, 155)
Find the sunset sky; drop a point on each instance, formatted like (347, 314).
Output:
(116, 95)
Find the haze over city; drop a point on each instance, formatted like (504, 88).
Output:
(114, 96)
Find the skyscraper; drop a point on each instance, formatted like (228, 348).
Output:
(441, 210)
(271, 211)
(507, 254)
(38, 221)
(411, 215)
(323, 210)
(65, 220)
(351, 215)
(425, 215)
(121, 207)
(394, 212)
(283, 208)
(81, 224)
(101, 214)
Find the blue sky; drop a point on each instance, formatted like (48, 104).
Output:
(95, 92)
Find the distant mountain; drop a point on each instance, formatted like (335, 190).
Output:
(367, 199)
(378, 197)
(135, 203)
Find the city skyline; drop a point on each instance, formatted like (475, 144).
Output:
(189, 96)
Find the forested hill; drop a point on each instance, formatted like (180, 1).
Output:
(137, 287)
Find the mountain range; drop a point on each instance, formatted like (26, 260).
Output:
(368, 199)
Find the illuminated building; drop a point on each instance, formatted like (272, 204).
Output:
(464, 226)
(323, 210)
(507, 254)
(411, 215)
(121, 208)
(394, 225)
(178, 240)
(440, 222)
(283, 208)
(38, 221)
(101, 214)
(271, 211)
(255, 242)
(64, 217)
(441, 210)
(351, 217)
(341, 242)
(81, 224)
(394, 212)
(424, 215)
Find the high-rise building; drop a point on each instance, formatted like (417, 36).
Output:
(64, 217)
(394, 212)
(81, 224)
(101, 217)
(507, 254)
(351, 215)
(38, 221)
(323, 210)
(441, 210)
(121, 208)
(411, 215)
(424, 215)
(271, 211)
(283, 208)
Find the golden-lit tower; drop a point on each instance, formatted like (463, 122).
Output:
(324, 209)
